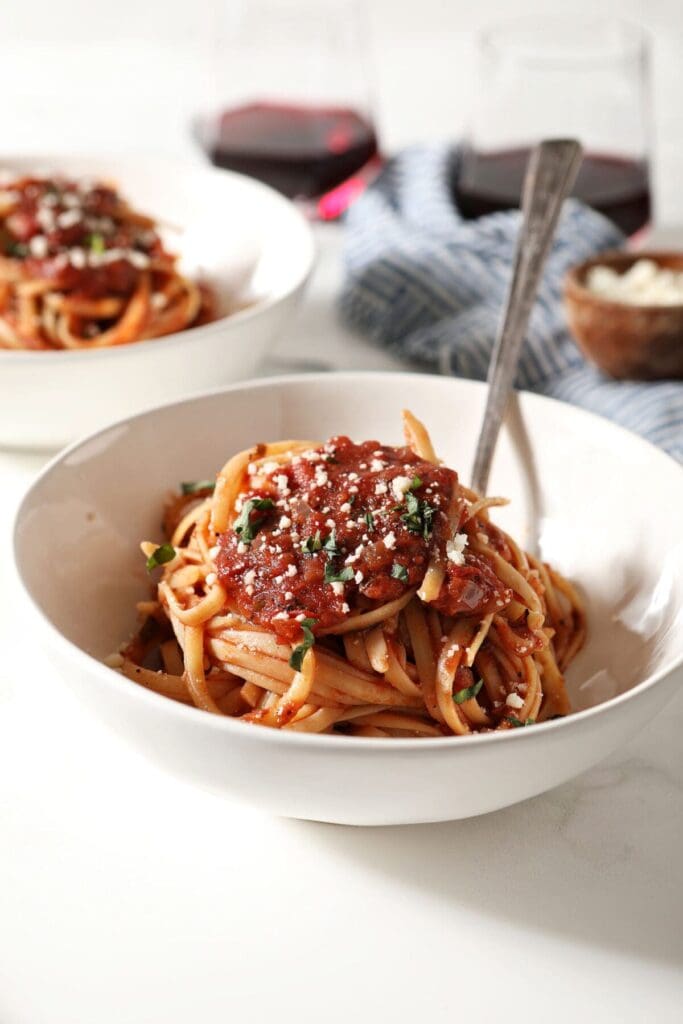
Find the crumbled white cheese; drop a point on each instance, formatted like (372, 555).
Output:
(337, 587)
(250, 589)
(345, 507)
(358, 577)
(292, 570)
(377, 465)
(282, 483)
(289, 596)
(284, 523)
(455, 549)
(330, 523)
(399, 485)
(345, 608)
(241, 548)
(381, 488)
(250, 576)
(513, 700)
(645, 283)
(77, 258)
(390, 540)
(69, 218)
(138, 259)
(46, 218)
(38, 247)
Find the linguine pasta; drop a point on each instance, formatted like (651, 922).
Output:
(354, 589)
(81, 269)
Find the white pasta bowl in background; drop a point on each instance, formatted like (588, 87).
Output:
(597, 502)
(247, 242)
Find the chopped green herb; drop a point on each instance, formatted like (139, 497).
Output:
(192, 486)
(415, 483)
(243, 524)
(316, 543)
(312, 544)
(330, 545)
(332, 576)
(164, 553)
(352, 499)
(369, 520)
(299, 652)
(399, 572)
(419, 515)
(468, 692)
(17, 249)
(96, 243)
(517, 723)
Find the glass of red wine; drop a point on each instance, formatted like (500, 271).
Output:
(548, 77)
(291, 98)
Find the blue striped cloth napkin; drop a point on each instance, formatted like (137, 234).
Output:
(429, 286)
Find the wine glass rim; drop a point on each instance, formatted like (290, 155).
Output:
(611, 39)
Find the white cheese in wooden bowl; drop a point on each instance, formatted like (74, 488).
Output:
(645, 283)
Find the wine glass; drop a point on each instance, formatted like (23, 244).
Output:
(291, 98)
(559, 76)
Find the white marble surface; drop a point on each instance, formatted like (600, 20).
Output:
(131, 898)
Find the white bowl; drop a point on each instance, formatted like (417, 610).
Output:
(598, 502)
(247, 240)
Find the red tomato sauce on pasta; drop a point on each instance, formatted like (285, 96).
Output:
(83, 238)
(347, 527)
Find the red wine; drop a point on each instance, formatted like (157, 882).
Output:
(302, 151)
(616, 187)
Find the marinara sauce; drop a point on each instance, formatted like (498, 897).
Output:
(81, 237)
(344, 528)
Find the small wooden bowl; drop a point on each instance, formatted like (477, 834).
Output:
(627, 342)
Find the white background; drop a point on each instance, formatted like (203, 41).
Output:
(94, 74)
(127, 897)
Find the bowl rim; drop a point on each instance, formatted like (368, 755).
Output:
(184, 165)
(574, 288)
(111, 678)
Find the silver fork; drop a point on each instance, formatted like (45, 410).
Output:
(551, 172)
